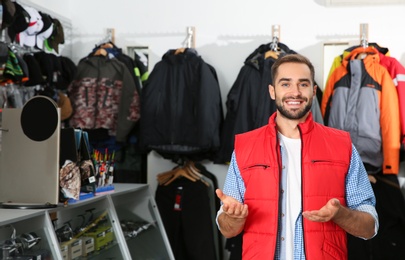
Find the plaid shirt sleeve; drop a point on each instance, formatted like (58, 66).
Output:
(359, 193)
(234, 185)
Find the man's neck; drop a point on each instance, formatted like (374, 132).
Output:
(289, 127)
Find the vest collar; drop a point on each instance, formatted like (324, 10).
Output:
(305, 127)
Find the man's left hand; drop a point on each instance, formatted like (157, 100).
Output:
(325, 214)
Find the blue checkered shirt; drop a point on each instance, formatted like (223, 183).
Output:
(359, 196)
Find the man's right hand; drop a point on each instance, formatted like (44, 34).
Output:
(232, 220)
(231, 206)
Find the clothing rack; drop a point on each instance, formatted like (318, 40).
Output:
(110, 37)
(364, 35)
(275, 32)
(111, 33)
(189, 42)
(18, 49)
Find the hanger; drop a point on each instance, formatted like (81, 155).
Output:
(168, 177)
(179, 50)
(195, 172)
(189, 42)
(274, 44)
(361, 52)
(163, 177)
(21, 50)
(107, 45)
(187, 170)
(108, 38)
(275, 33)
(363, 41)
(271, 54)
(274, 50)
(100, 52)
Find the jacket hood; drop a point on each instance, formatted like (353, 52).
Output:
(256, 59)
(372, 55)
(172, 58)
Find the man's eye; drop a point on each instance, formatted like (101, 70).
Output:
(304, 85)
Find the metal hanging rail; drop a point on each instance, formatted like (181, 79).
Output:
(364, 35)
(275, 32)
(189, 42)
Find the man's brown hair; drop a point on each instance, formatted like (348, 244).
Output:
(292, 58)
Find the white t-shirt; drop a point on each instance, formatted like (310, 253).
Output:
(293, 202)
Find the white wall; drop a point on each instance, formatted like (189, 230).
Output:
(226, 32)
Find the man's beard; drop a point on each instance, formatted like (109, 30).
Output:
(296, 114)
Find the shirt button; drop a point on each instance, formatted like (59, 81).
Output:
(282, 191)
(282, 239)
(283, 166)
(282, 214)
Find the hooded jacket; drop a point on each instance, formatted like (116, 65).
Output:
(360, 97)
(104, 96)
(181, 107)
(396, 71)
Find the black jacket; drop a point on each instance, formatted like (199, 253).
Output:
(181, 108)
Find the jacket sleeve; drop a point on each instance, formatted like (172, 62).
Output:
(337, 74)
(397, 72)
(390, 124)
(129, 107)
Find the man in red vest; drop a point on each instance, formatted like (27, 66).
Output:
(295, 187)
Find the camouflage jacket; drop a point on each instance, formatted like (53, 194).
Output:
(103, 95)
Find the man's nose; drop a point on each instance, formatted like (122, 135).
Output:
(296, 88)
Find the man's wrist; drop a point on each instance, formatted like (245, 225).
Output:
(230, 226)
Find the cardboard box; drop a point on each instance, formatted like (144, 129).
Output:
(64, 249)
(100, 241)
(74, 249)
(109, 235)
(87, 245)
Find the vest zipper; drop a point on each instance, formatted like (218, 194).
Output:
(327, 161)
(265, 166)
(280, 172)
(302, 197)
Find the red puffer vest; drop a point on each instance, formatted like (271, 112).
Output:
(326, 154)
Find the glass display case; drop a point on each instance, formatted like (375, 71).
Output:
(122, 224)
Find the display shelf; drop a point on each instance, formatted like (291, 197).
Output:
(24, 222)
(138, 205)
(98, 220)
(9, 216)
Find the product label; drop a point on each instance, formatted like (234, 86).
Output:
(178, 198)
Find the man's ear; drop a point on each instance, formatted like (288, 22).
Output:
(315, 89)
(272, 92)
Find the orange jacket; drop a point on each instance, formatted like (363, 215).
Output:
(360, 97)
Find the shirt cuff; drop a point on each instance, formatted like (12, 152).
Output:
(372, 211)
(219, 212)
